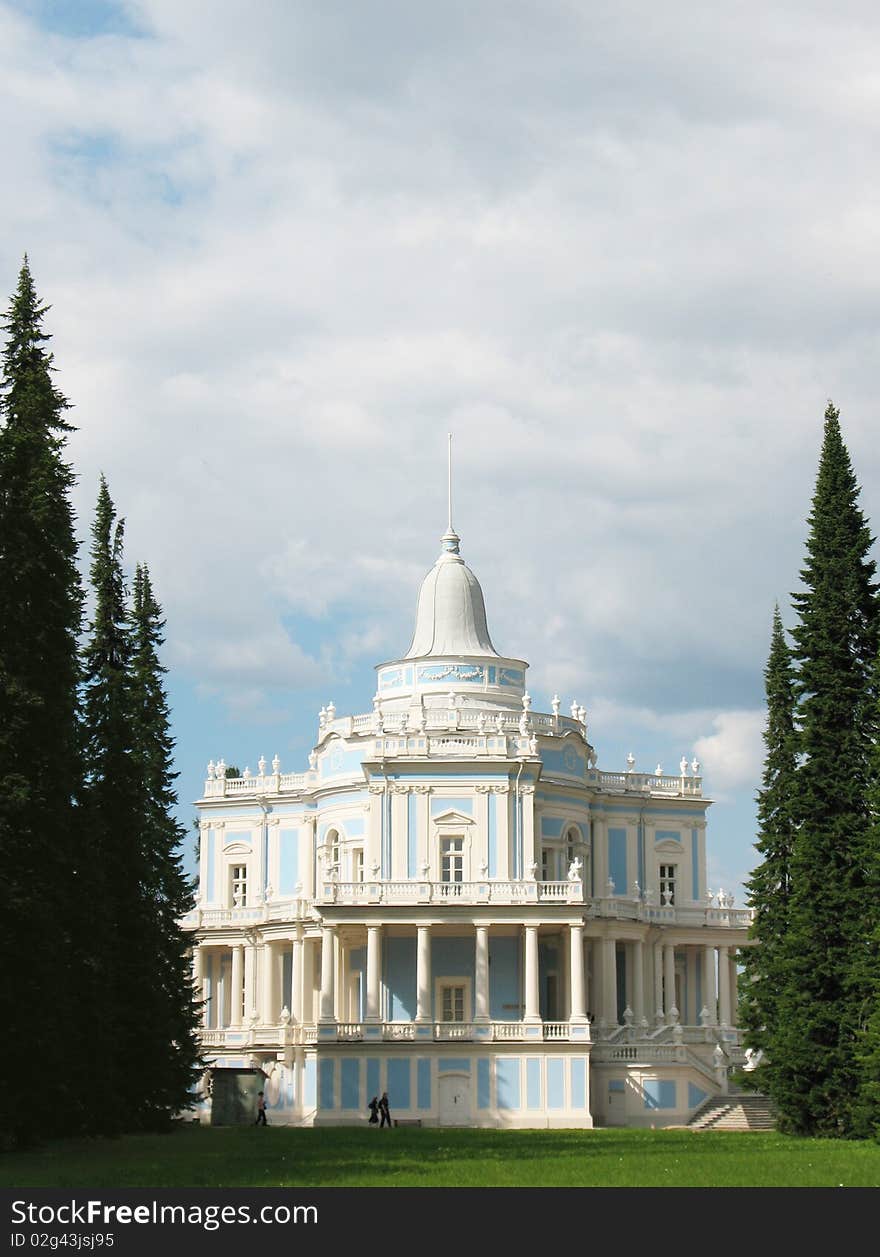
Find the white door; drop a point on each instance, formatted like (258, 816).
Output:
(455, 1099)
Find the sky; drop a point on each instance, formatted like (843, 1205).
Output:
(625, 252)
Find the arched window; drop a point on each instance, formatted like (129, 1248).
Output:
(332, 844)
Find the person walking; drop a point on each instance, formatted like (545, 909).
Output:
(373, 1106)
(383, 1109)
(261, 1109)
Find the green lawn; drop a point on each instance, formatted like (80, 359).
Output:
(363, 1157)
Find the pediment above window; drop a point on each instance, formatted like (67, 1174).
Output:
(669, 844)
(452, 817)
(237, 848)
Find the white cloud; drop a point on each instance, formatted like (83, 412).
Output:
(624, 254)
(733, 754)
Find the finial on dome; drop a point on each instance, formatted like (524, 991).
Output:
(450, 538)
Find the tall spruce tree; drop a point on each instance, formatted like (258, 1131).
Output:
(168, 1055)
(40, 615)
(113, 822)
(769, 888)
(814, 1073)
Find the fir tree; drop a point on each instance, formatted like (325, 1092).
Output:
(814, 1072)
(113, 829)
(40, 613)
(168, 1055)
(769, 888)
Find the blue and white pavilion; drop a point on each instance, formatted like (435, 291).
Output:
(454, 904)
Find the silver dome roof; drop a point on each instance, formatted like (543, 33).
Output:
(451, 613)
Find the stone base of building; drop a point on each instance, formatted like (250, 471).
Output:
(511, 1086)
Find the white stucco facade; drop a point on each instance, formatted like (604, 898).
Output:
(454, 904)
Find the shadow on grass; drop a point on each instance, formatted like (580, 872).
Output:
(361, 1156)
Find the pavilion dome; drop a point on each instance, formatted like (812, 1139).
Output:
(451, 613)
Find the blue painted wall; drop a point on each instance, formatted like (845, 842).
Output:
(241, 835)
(212, 842)
(621, 981)
(505, 959)
(338, 762)
(493, 835)
(286, 979)
(533, 1083)
(358, 960)
(617, 869)
(412, 834)
(549, 961)
(695, 866)
(507, 1083)
(484, 1089)
(578, 1069)
(453, 1065)
(310, 1090)
(288, 841)
(399, 970)
(555, 1082)
(452, 805)
(398, 1083)
(551, 826)
(565, 763)
(209, 991)
(373, 1088)
(325, 1076)
(423, 1082)
(351, 1098)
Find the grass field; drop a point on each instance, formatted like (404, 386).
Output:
(363, 1157)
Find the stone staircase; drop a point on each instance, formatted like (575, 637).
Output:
(741, 1110)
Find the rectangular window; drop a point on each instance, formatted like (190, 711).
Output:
(452, 1008)
(357, 864)
(452, 860)
(667, 884)
(238, 885)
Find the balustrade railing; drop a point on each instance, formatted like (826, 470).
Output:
(487, 891)
(224, 918)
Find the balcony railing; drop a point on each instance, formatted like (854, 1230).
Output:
(488, 891)
(246, 918)
(273, 1036)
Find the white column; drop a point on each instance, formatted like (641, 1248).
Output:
(198, 971)
(250, 981)
(734, 993)
(658, 984)
(578, 1001)
(423, 974)
(638, 978)
(296, 981)
(609, 980)
(532, 1011)
(235, 991)
(328, 935)
(340, 1002)
(267, 1001)
(723, 986)
(527, 796)
(481, 975)
(709, 995)
(588, 958)
(374, 942)
(671, 1008)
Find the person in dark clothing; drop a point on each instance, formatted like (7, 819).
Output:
(373, 1106)
(261, 1109)
(383, 1109)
